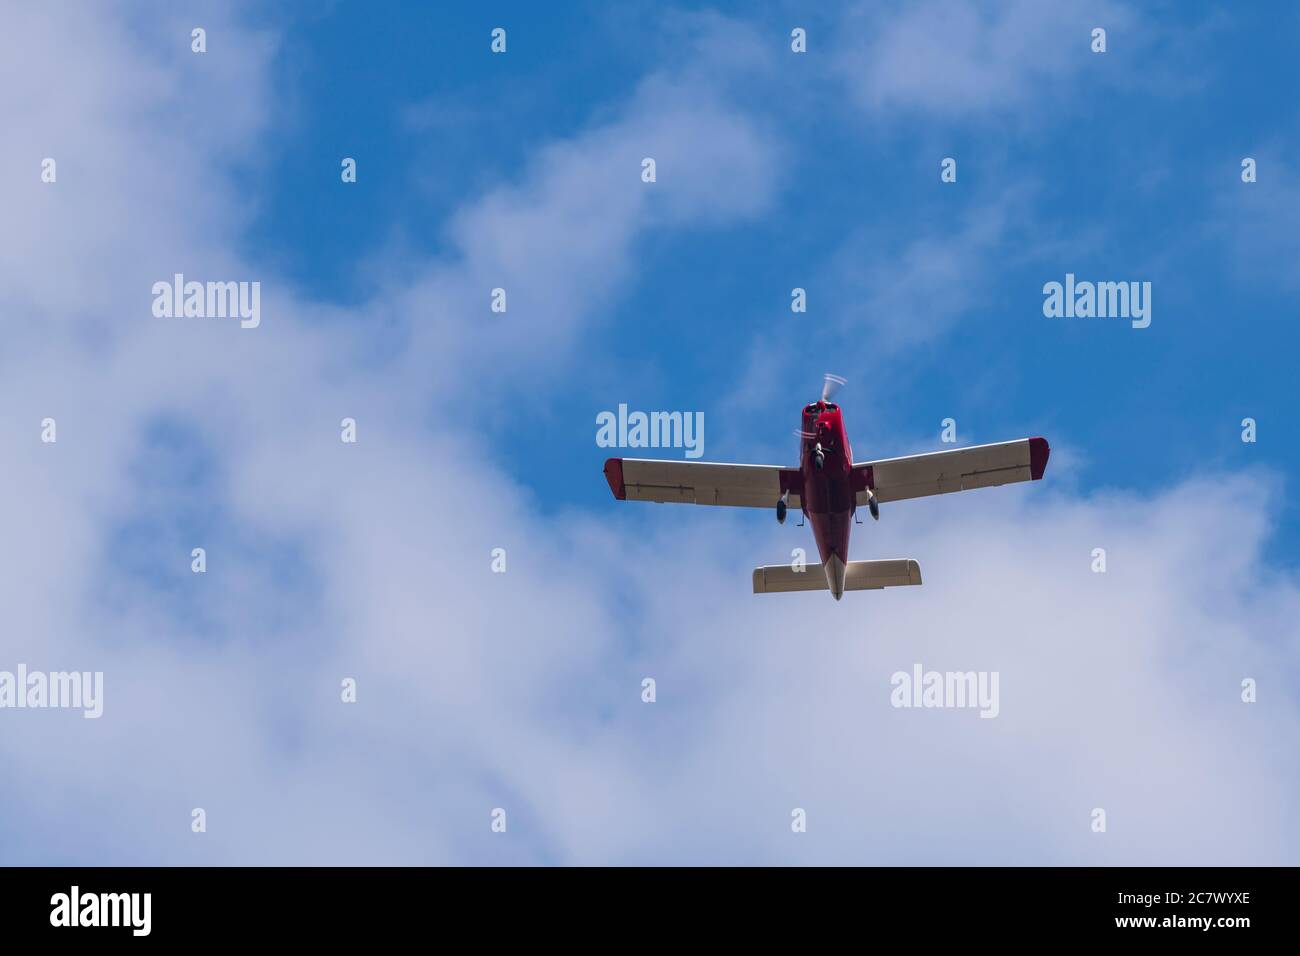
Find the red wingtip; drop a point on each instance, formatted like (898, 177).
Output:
(1038, 453)
(614, 475)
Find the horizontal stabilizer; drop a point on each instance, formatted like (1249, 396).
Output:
(860, 576)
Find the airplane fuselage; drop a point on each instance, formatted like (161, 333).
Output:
(829, 500)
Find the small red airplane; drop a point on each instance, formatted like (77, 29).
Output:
(828, 485)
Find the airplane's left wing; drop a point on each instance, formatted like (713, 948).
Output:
(702, 482)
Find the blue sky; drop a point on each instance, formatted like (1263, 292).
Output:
(1116, 171)
(477, 430)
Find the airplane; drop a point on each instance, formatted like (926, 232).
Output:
(829, 487)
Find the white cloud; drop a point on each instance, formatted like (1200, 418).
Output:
(964, 61)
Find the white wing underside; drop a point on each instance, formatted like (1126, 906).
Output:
(894, 479)
(703, 483)
(941, 472)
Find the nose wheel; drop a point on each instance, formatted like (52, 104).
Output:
(819, 457)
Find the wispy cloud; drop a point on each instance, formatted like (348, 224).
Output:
(964, 62)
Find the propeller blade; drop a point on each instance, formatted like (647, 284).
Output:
(831, 386)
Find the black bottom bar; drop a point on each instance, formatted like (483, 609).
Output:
(533, 905)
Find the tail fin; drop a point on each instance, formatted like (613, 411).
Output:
(860, 576)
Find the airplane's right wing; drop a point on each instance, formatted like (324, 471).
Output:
(937, 473)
